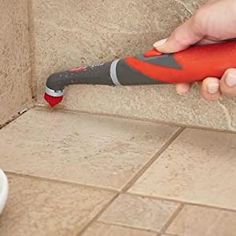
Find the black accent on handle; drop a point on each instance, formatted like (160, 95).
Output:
(128, 76)
(166, 60)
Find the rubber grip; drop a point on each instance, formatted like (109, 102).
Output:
(192, 64)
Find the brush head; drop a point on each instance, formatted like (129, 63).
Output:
(53, 97)
(52, 101)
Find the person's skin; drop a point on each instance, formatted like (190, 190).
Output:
(215, 21)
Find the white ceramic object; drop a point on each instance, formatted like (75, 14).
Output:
(3, 190)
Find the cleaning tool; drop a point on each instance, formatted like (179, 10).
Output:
(188, 66)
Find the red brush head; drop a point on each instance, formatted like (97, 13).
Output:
(53, 101)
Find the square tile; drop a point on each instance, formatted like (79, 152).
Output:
(139, 212)
(198, 167)
(42, 208)
(82, 148)
(15, 71)
(101, 229)
(195, 221)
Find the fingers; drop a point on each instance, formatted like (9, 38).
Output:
(182, 89)
(228, 83)
(210, 89)
(183, 37)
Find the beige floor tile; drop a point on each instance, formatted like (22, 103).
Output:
(196, 221)
(101, 229)
(139, 212)
(41, 208)
(198, 167)
(82, 148)
(15, 67)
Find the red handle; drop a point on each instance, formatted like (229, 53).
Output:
(193, 64)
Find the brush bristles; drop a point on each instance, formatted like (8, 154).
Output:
(52, 101)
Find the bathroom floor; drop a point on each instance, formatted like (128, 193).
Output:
(74, 174)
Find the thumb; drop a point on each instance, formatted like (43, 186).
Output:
(184, 36)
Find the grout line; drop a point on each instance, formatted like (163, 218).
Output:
(182, 202)
(173, 124)
(211, 129)
(64, 110)
(168, 234)
(125, 226)
(15, 117)
(171, 234)
(172, 218)
(33, 82)
(152, 160)
(94, 219)
(184, 6)
(63, 182)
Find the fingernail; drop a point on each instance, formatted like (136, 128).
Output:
(213, 88)
(182, 89)
(159, 43)
(231, 79)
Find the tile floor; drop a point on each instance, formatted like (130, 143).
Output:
(75, 174)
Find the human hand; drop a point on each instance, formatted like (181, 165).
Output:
(213, 22)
